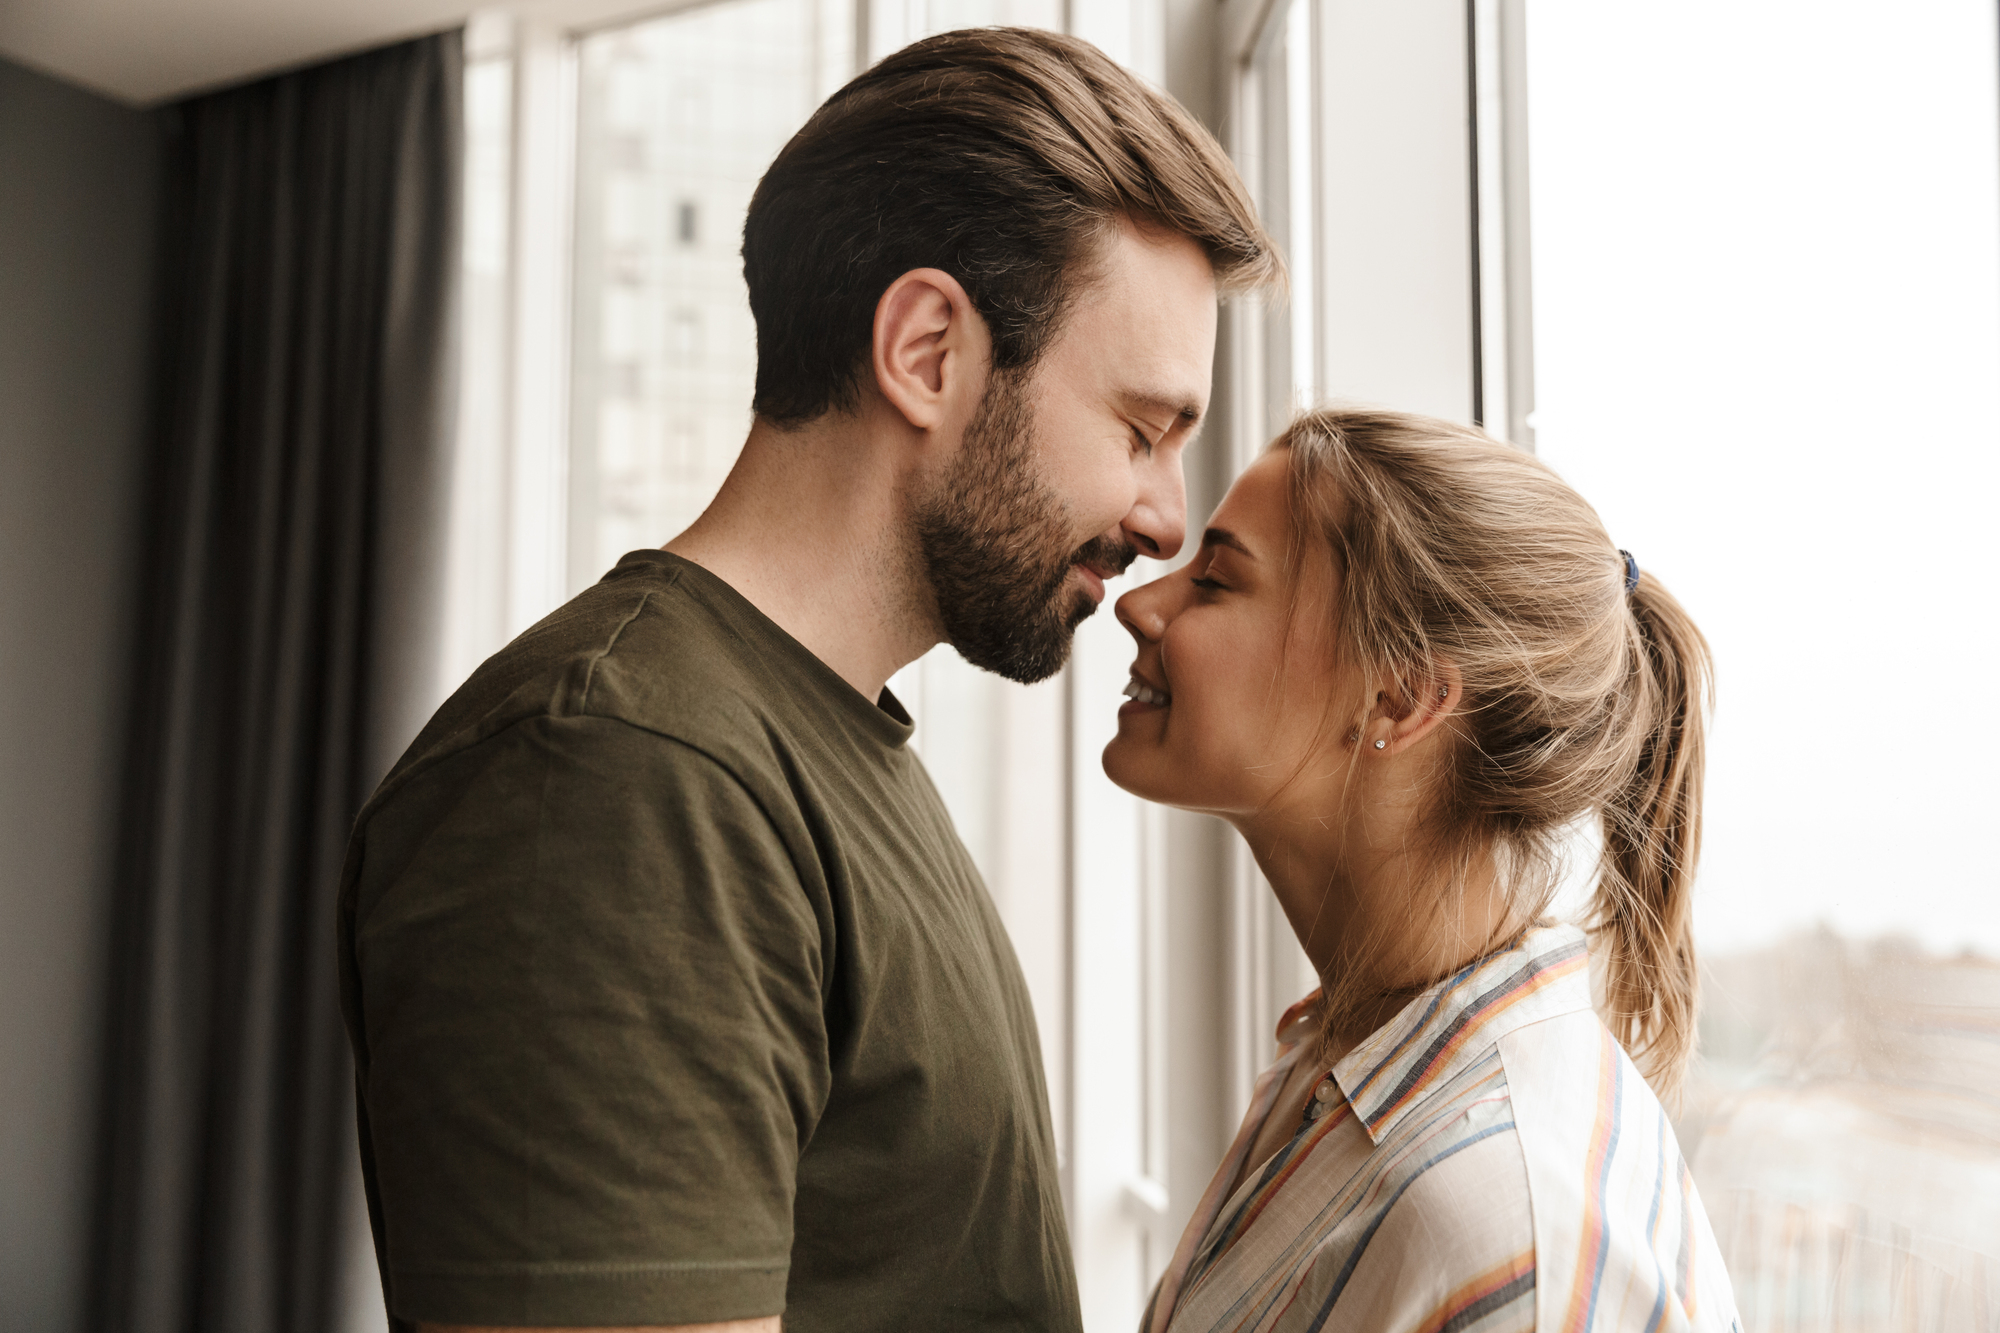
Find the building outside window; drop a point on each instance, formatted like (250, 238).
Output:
(676, 119)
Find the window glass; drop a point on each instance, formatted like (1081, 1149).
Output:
(945, 15)
(677, 119)
(1767, 309)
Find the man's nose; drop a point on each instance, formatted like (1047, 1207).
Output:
(1157, 521)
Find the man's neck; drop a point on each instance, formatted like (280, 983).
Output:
(810, 527)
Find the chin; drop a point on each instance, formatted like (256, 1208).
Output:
(1149, 772)
(1131, 770)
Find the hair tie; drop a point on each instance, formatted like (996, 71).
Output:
(1631, 571)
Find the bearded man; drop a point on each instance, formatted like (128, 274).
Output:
(675, 999)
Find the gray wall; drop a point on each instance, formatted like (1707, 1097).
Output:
(78, 187)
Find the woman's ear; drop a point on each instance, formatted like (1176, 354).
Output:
(1408, 710)
(930, 346)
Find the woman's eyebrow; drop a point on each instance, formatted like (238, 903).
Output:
(1224, 537)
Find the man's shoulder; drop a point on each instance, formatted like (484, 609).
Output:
(646, 647)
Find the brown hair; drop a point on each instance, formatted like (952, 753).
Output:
(1002, 156)
(1579, 698)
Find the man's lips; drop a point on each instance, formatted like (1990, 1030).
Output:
(1099, 562)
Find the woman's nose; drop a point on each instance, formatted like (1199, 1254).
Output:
(1142, 612)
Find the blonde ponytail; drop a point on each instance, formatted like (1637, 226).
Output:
(1642, 915)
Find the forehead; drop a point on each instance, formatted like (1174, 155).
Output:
(1146, 324)
(1258, 512)
(1258, 507)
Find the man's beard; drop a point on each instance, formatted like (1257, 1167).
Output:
(996, 549)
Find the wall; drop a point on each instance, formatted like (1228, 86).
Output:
(78, 184)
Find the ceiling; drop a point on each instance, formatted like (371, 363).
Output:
(144, 52)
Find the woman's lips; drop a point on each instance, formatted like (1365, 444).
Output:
(1143, 698)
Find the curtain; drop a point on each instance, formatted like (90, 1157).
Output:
(289, 588)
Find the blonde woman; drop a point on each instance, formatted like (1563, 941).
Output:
(1405, 660)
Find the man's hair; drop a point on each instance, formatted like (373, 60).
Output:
(1004, 157)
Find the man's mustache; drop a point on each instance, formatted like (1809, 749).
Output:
(1109, 556)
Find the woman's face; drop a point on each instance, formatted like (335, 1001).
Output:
(1230, 687)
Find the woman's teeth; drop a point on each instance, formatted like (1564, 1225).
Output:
(1146, 694)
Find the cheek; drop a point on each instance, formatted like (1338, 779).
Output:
(1237, 720)
(1233, 726)
(1090, 470)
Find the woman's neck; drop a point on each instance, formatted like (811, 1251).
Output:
(1367, 895)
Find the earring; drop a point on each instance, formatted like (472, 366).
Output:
(1444, 691)
(1381, 745)
(1355, 734)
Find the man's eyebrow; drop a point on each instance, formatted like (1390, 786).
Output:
(1224, 537)
(1167, 404)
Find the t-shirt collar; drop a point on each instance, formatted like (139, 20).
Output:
(885, 718)
(1459, 1019)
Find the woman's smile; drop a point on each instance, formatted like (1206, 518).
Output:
(1244, 665)
(1144, 698)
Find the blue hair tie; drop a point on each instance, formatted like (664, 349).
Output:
(1631, 571)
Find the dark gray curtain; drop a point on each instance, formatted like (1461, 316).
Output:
(290, 583)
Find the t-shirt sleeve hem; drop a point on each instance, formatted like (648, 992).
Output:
(583, 1295)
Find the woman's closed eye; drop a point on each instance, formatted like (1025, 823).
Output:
(1207, 584)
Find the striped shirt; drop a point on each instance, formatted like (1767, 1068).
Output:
(1489, 1161)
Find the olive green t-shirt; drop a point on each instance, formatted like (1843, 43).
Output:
(674, 997)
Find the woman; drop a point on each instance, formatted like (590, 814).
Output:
(1404, 662)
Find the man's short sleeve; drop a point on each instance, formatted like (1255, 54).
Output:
(588, 977)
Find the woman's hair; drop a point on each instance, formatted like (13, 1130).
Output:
(1579, 699)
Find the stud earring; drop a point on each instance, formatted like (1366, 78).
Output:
(1355, 734)
(1381, 745)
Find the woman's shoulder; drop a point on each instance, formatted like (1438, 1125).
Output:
(1578, 1102)
(1621, 1239)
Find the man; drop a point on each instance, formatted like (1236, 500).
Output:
(675, 999)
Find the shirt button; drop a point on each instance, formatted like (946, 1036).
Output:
(1325, 1092)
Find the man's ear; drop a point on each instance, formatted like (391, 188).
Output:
(1406, 711)
(930, 346)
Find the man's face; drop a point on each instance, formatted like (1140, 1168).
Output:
(1069, 472)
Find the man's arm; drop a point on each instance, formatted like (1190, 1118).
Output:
(588, 977)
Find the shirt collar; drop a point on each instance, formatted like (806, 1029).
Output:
(1457, 1021)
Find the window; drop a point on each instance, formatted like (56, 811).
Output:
(676, 117)
(1768, 346)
